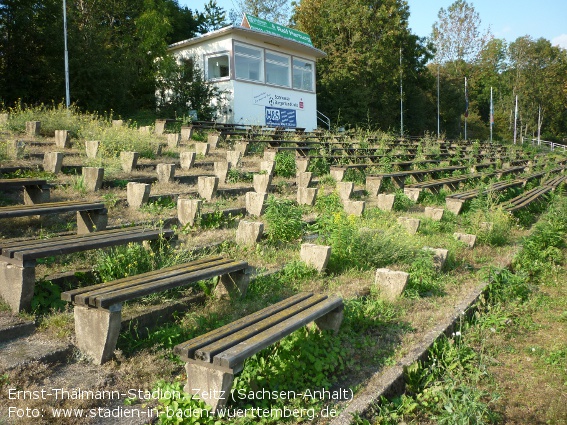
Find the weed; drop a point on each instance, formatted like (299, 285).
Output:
(78, 184)
(285, 165)
(402, 202)
(355, 175)
(110, 199)
(158, 206)
(46, 297)
(424, 278)
(284, 220)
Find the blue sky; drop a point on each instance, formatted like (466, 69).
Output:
(508, 19)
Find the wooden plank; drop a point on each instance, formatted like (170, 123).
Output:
(166, 272)
(127, 294)
(236, 355)
(15, 183)
(187, 349)
(51, 208)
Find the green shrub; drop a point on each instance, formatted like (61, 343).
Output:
(285, 164)
(284, 220)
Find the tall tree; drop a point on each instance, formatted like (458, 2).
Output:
(358, 83)
(214, 16)
(272, 10)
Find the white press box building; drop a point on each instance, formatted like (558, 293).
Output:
(267, 72)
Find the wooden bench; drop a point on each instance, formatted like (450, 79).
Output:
(374, 181)
(18, 259)
(214, 358)
(455, 201)
(526, 198)
(555, 181)
(91, 216)
(97, 308)
(36, 191)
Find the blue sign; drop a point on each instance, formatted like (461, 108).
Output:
(277, 117)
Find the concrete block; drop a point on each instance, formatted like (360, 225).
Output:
(315, 255)
(391, 283)
(33, 128)
(17, 285)
(91, 221)
(373, 185)
(93, 178)
(4, 118)
(137, 194)
(261, 182)
(202, 148)
(486, 226)
(255, 203)
(345, 190)
(210, 385)
(173, 140)
(306, 195)
(267, 166)
(469, 240)
(303, 179)
(410, 224)
(412, 193)
(331, 321)
(129, 160)
(233, 285)
(186, 132)
(221, 170)
(145, 129)
(207, 186)
(354, 207)
(301, 164)
(241, 147)
(97, 331)
(386, 202)
(165, 172)
(234, 158)
(435, 214)
(187, 159)
(249, 232)
(454, 205)
(62, 139)
(337, 173)
(270, 155)
(36, 194)
(213, 138)
(91, 148)
(159, 128)
(117, 123)
(52, 162)
(439, 257)
(15, 149)
(188, 210)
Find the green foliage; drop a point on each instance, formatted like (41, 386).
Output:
(236, 176)
(401, 201)
(319, 166)
(369, 312)
(355, 175)
(290, 277)
(285, 164)
(46, 298)
(284, 219)
(159, 206)
(424, 279)
(215, 220)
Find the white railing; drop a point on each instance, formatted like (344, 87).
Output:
(324, 119)
(552, 145)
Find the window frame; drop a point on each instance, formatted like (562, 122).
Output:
(267, 61)
(209, 56)
(298, 58)
(261, 77)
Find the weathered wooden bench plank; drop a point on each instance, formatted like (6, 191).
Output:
(48, 208)
(36, 191)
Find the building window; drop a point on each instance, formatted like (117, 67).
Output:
(218, 67)
(302, 74)
(248, 63)
(277, 69)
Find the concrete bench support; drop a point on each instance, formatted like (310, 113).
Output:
(306, 195)
(137, 194)
(117, 123)
(186, 132)
(233, 285)
(159, 127)
(469, 240)
(52, 162)
(91, 148)
(301, 164)
(202, 148)
(207, 187)
(267, 166)
(354, 207)
(315, 255)
(373, 185)
(62, 139)
(188, 210)
(165, 172)
(345, 190)
(337, 173)
(439, 257)
(93, 178)
(17, 285)
(303, 179)
(173, 140)
(213, 139)
(91, 221)
(145, 129)
(391, 283)
(454, 205)
(261, 182)
(187, 160)
(386, 202)
(36, 194)
(410, 224)
(97, 331)
(234, 158)
(412, 193)
(33, 128)
(15, 149)
(435, 214)
(129, 160)
(241, 147)
(249, 232)
(270, 155)
(255, 203)
(221, 170)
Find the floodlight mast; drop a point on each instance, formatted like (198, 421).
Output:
(67, 96)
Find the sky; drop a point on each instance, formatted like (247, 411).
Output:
(508, 19)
